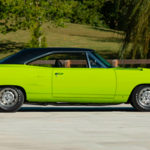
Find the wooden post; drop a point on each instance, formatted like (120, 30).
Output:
(115, 63)
(67, 64)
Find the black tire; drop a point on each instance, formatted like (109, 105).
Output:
(11, 99)
(138, 97)
(132, 105)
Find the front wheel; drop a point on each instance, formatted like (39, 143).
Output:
(11, 99)
(141, 98)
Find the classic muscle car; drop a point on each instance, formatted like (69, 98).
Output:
(69, 76)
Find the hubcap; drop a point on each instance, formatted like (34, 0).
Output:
(8, 97)
(144, 97)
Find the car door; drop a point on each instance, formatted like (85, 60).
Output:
(93, 82)
(84, 82)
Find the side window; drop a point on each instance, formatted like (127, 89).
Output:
(94, 63)
(62, 60)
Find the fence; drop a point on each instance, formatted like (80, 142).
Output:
(114, 63)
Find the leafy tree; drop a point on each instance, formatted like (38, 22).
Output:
(88, 12)
(109, 12)
(137, 28)
(114, 12)
(31, 14)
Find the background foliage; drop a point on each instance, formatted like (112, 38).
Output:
(137, 29)
(88, 12)
(130, 16)
(31, 14)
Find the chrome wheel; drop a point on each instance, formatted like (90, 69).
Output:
(8, 97)
(144, 97)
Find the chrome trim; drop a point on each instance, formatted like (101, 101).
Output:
(87, 56)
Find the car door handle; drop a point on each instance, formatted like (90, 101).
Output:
(58, 74)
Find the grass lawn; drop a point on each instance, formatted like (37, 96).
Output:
(105, 41)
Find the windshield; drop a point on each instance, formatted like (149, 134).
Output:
(102, 60)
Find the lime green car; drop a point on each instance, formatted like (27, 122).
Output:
(69, 76)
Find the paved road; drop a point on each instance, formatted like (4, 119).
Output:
(75, 128)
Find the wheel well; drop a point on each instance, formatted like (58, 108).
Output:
(130, 97)
(19, 87)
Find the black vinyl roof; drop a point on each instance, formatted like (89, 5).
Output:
(28, 54)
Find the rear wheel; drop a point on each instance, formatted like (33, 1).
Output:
(132, 105)
(11, 99)
(141, 98)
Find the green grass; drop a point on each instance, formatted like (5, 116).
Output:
(105, 41)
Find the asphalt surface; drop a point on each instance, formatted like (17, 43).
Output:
(75, 128)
